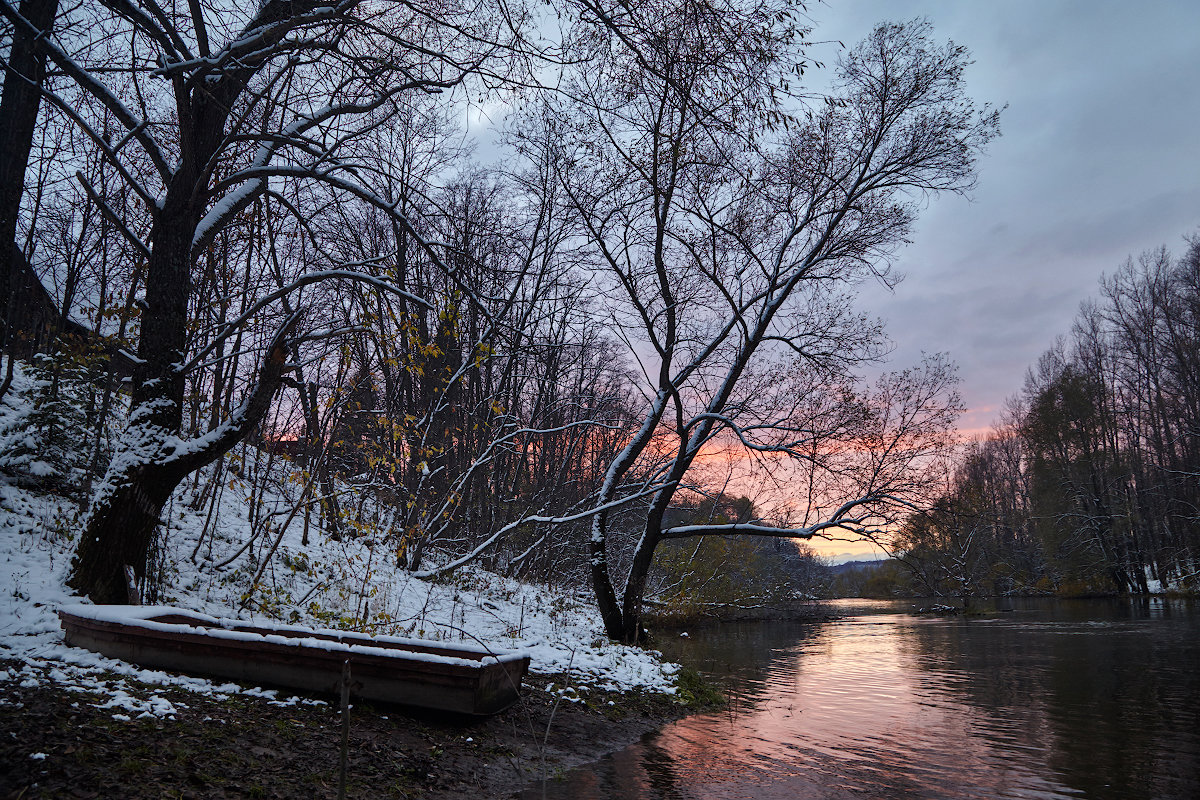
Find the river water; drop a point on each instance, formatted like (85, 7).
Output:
(1050, 699)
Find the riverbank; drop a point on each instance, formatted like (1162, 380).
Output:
(232, 544)
(674, 623)
(77, 724)
(59, 743)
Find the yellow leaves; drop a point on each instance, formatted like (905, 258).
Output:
(482, 353)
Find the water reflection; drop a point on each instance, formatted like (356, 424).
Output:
(1050, 700)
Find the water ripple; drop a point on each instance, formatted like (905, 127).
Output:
(1053, 701)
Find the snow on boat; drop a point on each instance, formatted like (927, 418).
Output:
(412, 672)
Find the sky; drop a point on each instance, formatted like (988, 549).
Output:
(1099, 160)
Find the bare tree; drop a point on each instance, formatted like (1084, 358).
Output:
(220, 109)
(731, 232)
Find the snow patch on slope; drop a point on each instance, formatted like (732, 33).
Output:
(353, 584)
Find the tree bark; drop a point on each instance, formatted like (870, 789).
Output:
(143, 475)
(606, 597)
(120, 532)
(632, 631)
(20, 301)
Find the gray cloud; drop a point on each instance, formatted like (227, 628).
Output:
(1099, 161)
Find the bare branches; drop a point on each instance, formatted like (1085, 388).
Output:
(724, 236)
(196, 453)
(92, 86)
(269, 112)
(449, 337)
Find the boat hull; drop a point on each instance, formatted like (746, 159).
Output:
(414, 673)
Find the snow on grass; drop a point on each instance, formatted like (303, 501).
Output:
(353, 584)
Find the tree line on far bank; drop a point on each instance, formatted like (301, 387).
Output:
(1090, 484)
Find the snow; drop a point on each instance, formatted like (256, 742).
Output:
(41, 468)
(347, 585)
(1153, 585)
(224, 208)
(217, 628)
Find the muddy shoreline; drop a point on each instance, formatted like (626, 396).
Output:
(246, 747)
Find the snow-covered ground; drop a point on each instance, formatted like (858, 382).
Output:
(349, 584)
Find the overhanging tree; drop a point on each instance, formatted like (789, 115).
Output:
(731, 234)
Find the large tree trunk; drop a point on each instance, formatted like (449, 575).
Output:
(616, 623)
(150, 458)
(632, 631)
(150, 462)
(125, 510)
(20, 299)
(121, 530)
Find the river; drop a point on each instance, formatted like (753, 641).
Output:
(1046, 699)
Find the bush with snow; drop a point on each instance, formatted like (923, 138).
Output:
(41, 418)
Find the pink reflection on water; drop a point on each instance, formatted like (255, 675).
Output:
(856, 709)
(897, 706)
(848, 713)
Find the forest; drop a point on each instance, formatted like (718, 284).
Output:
(264, 241)
(1088, 486)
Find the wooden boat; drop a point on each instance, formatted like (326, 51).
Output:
(460, 679)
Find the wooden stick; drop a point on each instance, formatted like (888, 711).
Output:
(345, 729)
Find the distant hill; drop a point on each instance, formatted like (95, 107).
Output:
(856, 566)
